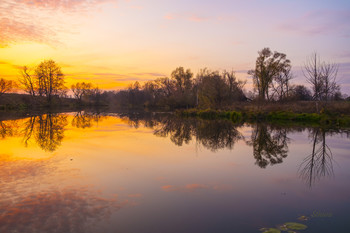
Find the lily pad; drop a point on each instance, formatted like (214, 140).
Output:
(283, 228)
(303, 218)
(270, 230)
(295, 226)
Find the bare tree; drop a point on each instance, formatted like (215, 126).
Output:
(322, 77)
(6, 86)
(28, 81)
(329, 76)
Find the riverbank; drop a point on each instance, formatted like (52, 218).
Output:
(286, 117)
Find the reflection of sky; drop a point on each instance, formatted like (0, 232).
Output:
(163, 187)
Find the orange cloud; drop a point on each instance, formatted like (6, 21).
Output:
(63, 4)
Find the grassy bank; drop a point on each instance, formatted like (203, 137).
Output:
(321, 119)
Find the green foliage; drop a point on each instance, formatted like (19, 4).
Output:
(278, 117)
(270, 230)
(295, 226)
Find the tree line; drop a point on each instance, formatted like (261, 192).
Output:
(271, 77)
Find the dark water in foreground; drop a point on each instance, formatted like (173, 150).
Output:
(83, 172)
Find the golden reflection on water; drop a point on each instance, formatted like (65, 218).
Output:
(71, 171)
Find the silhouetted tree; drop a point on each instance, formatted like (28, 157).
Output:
(235, 86)
(212, 89)
(281, 84)
(28, 82)
(6, 86)
(215, 89)
(269, 66)
(49, 80)
(322, 77)
(81, 89)
(183, 85)
(300, 92)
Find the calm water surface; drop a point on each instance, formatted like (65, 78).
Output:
(84, 172)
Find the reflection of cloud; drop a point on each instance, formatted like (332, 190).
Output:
(28, 204)
(136, 195)
(67, 210)
(195, 187)
(17, 170)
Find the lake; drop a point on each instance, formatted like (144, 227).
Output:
(154, 172)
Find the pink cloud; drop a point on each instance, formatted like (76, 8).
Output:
(196, 18)
(41, 20)
(169, 17)
(13, 31)
(319, 23)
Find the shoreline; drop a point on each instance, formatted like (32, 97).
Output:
(282, 117)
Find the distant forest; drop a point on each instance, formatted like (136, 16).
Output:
(44, 85)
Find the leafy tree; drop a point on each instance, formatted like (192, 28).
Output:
(81, 89)
(212, 89)
(300, 92)
(47, 80)
(269, 66)
(50, 79)
(183, 79)
(183, 85)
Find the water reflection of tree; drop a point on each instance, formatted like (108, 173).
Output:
(319, 163)
(180, 130)
(213, 135)
(218, 134)
(48, 130)
(7, 128)
(270, 144)
(85, 119)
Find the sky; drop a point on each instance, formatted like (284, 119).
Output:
(112, 43)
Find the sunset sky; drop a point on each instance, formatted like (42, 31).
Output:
(114, 42)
